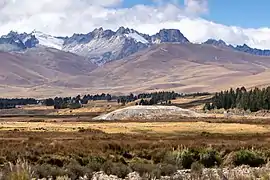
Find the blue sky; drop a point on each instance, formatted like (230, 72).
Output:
(244, 13)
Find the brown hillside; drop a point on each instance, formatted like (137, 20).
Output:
(185, 67)
(178, 67)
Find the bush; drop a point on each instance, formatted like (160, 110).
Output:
(158, 156)
(187, 158)
(54, 160)
(210, 158)
(47, 170)
(246, 157)
(167, 170)
(75, 106)
(95, 163)
(142, 168)
(2, 160)
(196, 170)
(118, 169)
(75, 170)
(90, 131)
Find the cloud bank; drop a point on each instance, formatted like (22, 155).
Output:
(65, 17)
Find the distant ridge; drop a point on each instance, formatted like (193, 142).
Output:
(244, 48)
(102, 46)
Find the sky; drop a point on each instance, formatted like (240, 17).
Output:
(236, 22)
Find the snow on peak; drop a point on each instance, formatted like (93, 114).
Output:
(48, 40)
(137, 37)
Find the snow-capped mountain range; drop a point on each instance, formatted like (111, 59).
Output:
(102, 46)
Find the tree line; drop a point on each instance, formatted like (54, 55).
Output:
(158, 98)
(145, 99)
(74, 102)
(12, 103)
(162, 97)
(254, 100)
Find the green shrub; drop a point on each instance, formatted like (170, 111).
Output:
(155, 174)
(158, 156)
(90, 131)
(74, 106)
(75, 170)
(54, 160)
(167, 169)
(246, 157)
(2, 160)
(118, 169)
(47, 170)
(196, 170)
(142, 168)
(210, 158)
(187, 158)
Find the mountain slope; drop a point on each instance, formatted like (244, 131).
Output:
(181, 67)
(40, 66)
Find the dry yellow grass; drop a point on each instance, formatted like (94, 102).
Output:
(37, 107)
(136, 127)
(190, 99)
(93, 107)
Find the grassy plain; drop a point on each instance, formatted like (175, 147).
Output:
(139, 127)
(47, 137)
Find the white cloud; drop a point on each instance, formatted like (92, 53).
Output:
(196, 6)
(65, 17)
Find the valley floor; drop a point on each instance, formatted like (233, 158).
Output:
(71, 143)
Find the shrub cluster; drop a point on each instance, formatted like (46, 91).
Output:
(162, 163)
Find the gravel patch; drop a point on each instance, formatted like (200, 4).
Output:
(147, 112)
(243, 172)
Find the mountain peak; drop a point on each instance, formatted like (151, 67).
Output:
(215, 42)
(98, 31)
(123, 30)
(170, 35)
(244, 45)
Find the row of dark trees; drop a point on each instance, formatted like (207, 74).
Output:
(160, 96)
(163, 97)
(74, 102)
(152, 101)
(253, 100)
(12, 103)
(63, 103)
(126, 99)
(197, 94)
(78, 101)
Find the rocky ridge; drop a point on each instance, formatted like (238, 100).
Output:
(102, 46)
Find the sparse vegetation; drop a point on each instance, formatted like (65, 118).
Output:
(87, 151)
(67, 148)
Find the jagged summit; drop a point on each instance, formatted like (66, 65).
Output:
(170, 35)
(215, 42)
(104, 45)
(243, 48)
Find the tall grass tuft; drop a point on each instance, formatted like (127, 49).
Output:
(21, 170)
